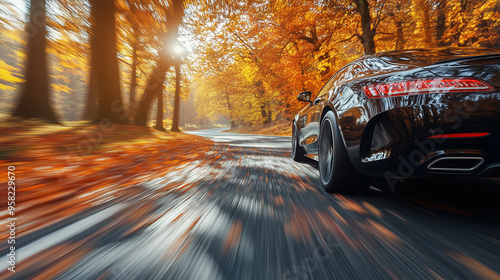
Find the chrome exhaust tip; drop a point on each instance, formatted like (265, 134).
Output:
(456, 164)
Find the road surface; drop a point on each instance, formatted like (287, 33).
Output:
(249, 212)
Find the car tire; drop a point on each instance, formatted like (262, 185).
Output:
(337, 173)
(297, 151)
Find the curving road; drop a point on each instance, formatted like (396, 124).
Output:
(249, 212)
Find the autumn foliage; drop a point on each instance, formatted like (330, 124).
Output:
(243, 61)
(256, 56)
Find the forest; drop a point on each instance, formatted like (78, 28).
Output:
(181, 63)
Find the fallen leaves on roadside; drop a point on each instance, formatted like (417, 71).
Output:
(60, 171)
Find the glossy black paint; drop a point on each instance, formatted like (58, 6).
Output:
(388, 136)
(305, 96)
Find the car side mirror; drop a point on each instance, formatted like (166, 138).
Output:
(305, 96)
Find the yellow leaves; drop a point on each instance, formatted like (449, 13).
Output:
(249, 71)
(310, 17)
(4, 67)
(61, 88)
(5, 87)
(472, 24)
(21, 54)
(7, 76)
(13, 36)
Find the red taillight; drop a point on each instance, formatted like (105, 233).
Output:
(420, 86)
(461, 135)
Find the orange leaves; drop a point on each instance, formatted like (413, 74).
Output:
(278, 201)
(291, 46)
(475, 266)
(298, 225)
(256, 62)
(55, 179)
(233, 237)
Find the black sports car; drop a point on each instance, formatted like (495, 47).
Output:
(404, 114)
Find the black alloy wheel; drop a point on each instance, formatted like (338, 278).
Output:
(337, 173)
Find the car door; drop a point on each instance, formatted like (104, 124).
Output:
(310, 115)
(308, 135)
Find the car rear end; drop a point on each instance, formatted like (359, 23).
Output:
(444, 123)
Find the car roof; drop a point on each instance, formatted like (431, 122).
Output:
(424, 57)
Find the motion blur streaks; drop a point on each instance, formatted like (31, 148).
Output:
(242, 209)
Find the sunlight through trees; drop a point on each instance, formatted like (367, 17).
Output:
(244, 61)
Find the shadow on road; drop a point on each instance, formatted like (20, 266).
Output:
(246, 210)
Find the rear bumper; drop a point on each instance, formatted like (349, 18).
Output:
(400, 142)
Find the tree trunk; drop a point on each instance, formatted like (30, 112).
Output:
(34, 102)
(441, 23)
(269, 113)
(133, 74)
(264, 103)
(424, 8)
(367, 34)
(159, 113)
(177, 97)
(164, 62)
(153, 89)
(92, 94)
(400, 39)
(230, 108)
(398, 21)
(104, 53)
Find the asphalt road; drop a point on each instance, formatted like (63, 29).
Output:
(250, 212)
